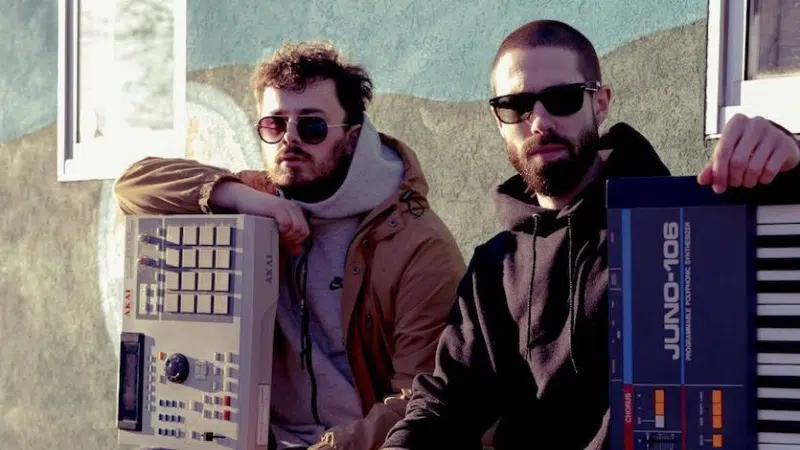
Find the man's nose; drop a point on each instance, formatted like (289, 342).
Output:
(540, 119)
(291, 136)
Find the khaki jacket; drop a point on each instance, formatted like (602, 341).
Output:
(400, 281)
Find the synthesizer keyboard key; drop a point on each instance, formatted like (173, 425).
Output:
(776, 263)
(780, 252)
(778, 358)
(777, 334)
(778, 287)
(777, 241)
(778, 275)
(767, 214)
(778, 404)
(779, 370)
(787, 322)
(788, 229)
(778, 438)
(768, 415)
(779, 310)
(778, 299)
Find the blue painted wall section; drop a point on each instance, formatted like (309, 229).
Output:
(436, 50)
(28, 66)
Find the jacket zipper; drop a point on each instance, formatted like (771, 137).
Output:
(304, 317)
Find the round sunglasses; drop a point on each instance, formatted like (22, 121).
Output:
(561, 100)
(310, 129)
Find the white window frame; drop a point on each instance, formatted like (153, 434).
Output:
(727, 91)
(106, 157)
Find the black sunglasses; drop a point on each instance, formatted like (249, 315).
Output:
(311, 129)
(560, 100)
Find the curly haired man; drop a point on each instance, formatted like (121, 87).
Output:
(371, 271)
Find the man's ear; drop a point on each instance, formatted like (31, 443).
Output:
(602, 103)
(352, 137)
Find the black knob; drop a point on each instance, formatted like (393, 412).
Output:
(177, 368)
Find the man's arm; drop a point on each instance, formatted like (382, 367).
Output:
(170, 186)
(184, 186)
(456, 405)
(426, 292)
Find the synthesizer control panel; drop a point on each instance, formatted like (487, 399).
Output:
(704, 319)
(200, 297)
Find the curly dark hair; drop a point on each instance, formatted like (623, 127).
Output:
(295, 64)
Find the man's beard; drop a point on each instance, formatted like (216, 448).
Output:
(319, 179)
(560, 177)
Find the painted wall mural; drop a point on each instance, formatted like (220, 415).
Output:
(63, 242)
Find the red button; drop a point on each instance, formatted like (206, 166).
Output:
(227, 400)
(226, 415)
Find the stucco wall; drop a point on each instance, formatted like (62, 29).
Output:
(61, 241)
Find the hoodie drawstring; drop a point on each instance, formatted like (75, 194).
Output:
(299, 284)
(530, 288)
(414, 207)
(573, 315)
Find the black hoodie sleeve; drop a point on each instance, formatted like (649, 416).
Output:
(454, 406)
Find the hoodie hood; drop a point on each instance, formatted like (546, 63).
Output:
(631, 155)
(376, 172)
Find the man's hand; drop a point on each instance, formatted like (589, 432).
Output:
(750, 151)
(243, 199)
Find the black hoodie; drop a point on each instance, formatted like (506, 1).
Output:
(529, 352)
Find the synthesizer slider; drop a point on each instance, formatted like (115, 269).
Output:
(704, 316)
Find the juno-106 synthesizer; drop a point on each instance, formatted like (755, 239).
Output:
(199, 310)
(704, 316)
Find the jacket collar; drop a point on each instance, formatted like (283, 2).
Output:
(409, 201)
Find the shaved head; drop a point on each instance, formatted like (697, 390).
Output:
(551, 33)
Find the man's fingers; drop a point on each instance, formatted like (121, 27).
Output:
(743, 151)
(294, 229)
(720, 160)
(758, 162)
(771, 168)
(300, 222)
(705, 175)
(284, 221)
